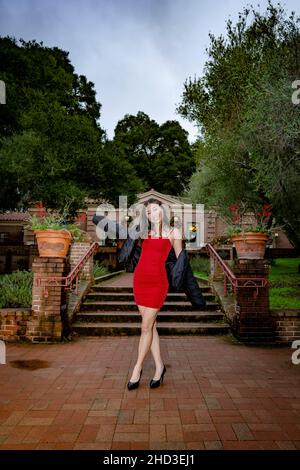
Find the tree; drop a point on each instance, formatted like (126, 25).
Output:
(242, 105)
(273, 144)
(52, 147)
(160, 155)
(174, 162)
(137, 135)
(36, 74)
(55, 157)
(123, 178)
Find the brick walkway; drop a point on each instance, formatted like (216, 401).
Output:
(215, 395)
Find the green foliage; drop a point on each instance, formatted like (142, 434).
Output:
(122, 177)
(285, 297)
(249, 150)
(284, 280)
(37, 76)
(285, 270)
(99, 269)
(52, 148)
(271, 130)
(161, 156)
(55, 222)
(200, 265)
(16, 289)
(235, 230)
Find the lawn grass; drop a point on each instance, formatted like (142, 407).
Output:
(284, 283)
(200, 265)
(201, 274)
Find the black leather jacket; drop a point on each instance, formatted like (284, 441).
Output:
(179, 271)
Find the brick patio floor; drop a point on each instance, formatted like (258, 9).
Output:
(215, 395)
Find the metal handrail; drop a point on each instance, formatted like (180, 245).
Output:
(236, 282)
(67, 281)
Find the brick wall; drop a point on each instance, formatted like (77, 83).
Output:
(47, 320)
(13, 323)
(45, 324)
(287, 325)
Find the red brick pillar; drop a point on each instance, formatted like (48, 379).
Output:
(253, 322)
(45, 325)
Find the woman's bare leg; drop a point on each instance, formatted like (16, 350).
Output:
(148, 319)
(155, 350)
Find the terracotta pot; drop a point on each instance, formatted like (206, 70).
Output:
(53, 243)
(250, 245)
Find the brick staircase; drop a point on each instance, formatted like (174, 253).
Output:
(109, 309)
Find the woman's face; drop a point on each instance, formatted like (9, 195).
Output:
(153, 212)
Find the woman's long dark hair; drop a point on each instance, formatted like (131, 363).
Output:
(146, 224)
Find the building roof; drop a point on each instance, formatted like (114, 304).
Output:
(153, 193)
(18, 216)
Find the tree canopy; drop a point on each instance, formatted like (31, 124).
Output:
(242, 104)
(52, 147)
(160, 154)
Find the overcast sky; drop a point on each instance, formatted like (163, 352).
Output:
(138, 53)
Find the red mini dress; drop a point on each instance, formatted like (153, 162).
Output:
(150, 280)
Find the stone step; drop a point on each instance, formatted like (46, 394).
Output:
(163, 328)
(131, 305)
(117, 296)
(111, 310)
(165, 316)
(129, 289)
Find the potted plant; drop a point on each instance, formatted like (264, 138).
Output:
(250, 241)
(53, 232)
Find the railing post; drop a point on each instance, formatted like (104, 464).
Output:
(86, 275)
(253, 323)
(216, 272)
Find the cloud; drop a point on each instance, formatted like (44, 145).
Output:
(138, 53)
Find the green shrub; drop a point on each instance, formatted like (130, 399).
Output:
(99, 269)
(16, 289)
(200, 264)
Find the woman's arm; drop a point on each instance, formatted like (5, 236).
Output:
(176, 240)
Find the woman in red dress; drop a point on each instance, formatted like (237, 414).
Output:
(150, 286)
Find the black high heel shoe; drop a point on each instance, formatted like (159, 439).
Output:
(132, 385)
(156, 383)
